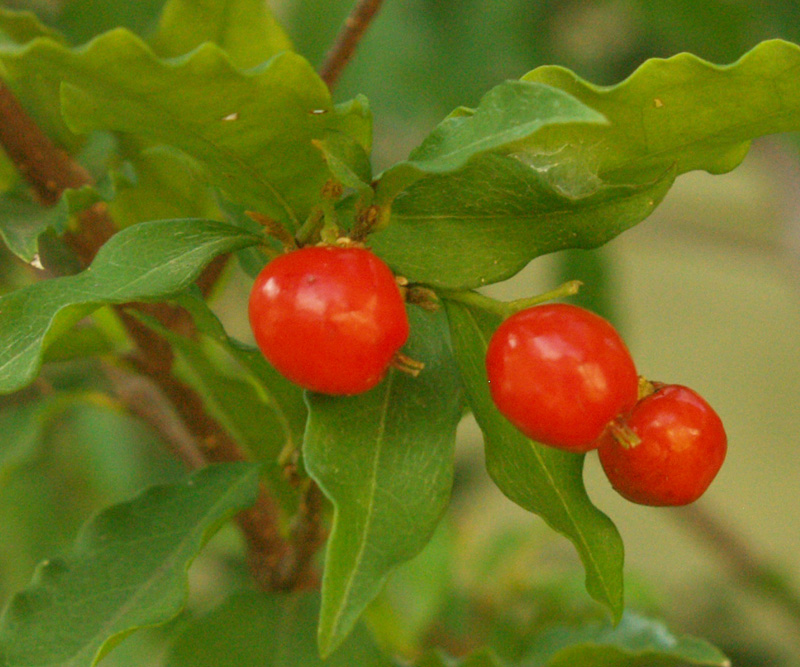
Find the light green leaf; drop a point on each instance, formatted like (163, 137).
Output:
(127, 570)
(635, 642)
(147, 261)
(20, 27)
(251, 131)
(506, 116)
(385, 460)
(541, 479)
(245, 29)
(252, 629)
(486, 222)
(681, 112)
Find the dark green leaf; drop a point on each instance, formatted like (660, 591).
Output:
(253, 413)
(81, 20)
(681, 113)
(245, 29)
(127, 570)
(635, 642)
(146, 261)
(486, 222)
(385, 459)
(257, 630)
(252, 131)
(541, 479)
(507, 115)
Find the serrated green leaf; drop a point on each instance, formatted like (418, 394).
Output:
(251, 131)
(635, 642)
(256, 630)
(508, 114)
(127, 570)
(385, 460)
(682, 112)
(147, 261)
(541, 479)
(486, 222)
(245, 29)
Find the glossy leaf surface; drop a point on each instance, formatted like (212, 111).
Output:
(385, 460)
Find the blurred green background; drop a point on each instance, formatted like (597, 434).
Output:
(706, 293)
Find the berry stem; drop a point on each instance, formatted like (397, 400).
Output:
(507, 308)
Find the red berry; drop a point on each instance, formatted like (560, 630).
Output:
(329, 318)
(560, 374)
(681, 447)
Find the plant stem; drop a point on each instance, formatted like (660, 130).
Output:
(50, 171)
(750, 569)
(348, 39)
(507, 308)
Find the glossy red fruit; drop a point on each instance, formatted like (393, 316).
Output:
(560, 374)
(329, 319)
(682, 445)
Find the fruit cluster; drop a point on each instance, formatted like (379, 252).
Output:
(564, 377)
(332, 319)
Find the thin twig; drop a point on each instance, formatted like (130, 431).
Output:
(348, 39)
(749, 568)
(306, 536)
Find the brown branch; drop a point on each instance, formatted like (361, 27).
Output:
(749, 568)
(50, 171)
(348, 39)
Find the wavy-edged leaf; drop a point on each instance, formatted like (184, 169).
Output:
(251, 131)
(127, 571)
(252, 629)
(541, 479)
(21, 27)
(636, 642)
(486, 222)
(507, 115)
(385, 460)
(682, 112)
(481, 658)
(147, 261)
(245, 29)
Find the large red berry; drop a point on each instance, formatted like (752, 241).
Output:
(681, 447)
(560, 374)
(329, 318)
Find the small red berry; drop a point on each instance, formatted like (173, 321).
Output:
(681, 447)
(560, 374)
(329, 318)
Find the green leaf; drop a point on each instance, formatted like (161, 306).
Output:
(251, 131)
(245, 29)
(507, 115)
(253, 413)
(541, 479)
(252, 629)
(635, 642)
(22, 27)
(682, 112)
(147, 261)
(81, 20)
(486, 222)
(385, 460)
(127, 570)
